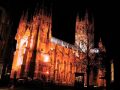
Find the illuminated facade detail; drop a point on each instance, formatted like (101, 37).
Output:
(112, 71)
(39, 55)
(84, 31)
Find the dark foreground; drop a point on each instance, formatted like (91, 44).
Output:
(38, 85)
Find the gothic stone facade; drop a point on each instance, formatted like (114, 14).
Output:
(40, 56)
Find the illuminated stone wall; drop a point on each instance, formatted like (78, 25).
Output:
(47, 57)
(84, 33)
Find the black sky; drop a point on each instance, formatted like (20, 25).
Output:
(64, 14)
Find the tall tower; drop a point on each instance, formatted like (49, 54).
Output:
(21, 38)
(83, 32)
(32, 45)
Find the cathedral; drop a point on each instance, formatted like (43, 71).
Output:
(41, 56)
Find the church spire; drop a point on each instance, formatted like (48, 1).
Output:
(101, 46)
(26, 16)
(86, 17)
(77, 17)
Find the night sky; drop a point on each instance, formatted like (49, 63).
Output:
(64, 15)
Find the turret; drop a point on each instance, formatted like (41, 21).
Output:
(86, 18)
(22, 26)
(100, 45)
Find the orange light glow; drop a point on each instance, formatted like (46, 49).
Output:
(112, 72)
(19, 62)
(53, 58)
(51, 49)
(47, 72)
(46, 58)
